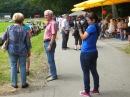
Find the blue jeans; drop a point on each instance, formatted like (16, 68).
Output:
(89, 63)
(13, 64)
(50, 57)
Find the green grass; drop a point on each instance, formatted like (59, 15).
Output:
(126, 49)
(4, 25)
(36, 52)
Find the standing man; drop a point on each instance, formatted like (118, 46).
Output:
(65, 31)
(50, 44)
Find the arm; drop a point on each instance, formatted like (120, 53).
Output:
(63, 27)
(83, 36)
(30, 34)
(28, 45)
(53, 37)
(4, 37)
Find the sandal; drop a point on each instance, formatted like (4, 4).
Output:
(25, 85)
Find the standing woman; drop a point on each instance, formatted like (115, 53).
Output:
(89, 54)
(76, 35)
(18, 48)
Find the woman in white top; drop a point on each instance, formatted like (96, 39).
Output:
(111, 28)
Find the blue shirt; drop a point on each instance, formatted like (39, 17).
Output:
(19, 41)
(89, 44)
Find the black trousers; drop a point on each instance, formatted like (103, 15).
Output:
(65, 38)
(78, 39)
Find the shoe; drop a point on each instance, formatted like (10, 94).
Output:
(83, 93)
(75, 49)
(67, 47)
(94, 92)
(25, 85)
(79, 49)
(27, 73)
(63, 48)
(14, 86)
(48, 76)
(51, 79)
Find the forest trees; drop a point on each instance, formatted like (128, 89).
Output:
(31, 7)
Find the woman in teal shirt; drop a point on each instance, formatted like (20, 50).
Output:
(89, 54)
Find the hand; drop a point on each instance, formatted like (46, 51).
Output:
(49, 48)
(79, 26)
(66, 32)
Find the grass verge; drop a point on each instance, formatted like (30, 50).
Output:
(126, 49)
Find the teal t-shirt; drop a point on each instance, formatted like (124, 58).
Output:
(26, 26)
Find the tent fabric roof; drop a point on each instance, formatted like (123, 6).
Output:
(77, 13)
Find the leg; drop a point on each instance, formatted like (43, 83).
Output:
(76, 42)
(67, 38)
(64, 39)
(51, 61)
(18, 66)
(22, 61)
(93, 69)
(13, 65)
(27, 65)
(85, 65)
(80, 43)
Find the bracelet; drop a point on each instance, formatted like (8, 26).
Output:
(79, 29)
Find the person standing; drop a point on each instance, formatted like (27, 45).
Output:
(76, 34)
(89, 54)
(65, 31)
(18, 48)
(50, 43)
(28, 58)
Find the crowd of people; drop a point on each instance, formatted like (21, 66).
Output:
(117, 28)
(85, 29)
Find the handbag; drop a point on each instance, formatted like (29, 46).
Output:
(5, 44)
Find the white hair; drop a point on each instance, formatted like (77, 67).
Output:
(49, 11)
(65, 16)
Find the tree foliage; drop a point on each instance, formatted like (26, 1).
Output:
(31, 7)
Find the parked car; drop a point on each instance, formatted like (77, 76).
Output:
(7, 20)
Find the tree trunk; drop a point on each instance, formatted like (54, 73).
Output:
(114, 11)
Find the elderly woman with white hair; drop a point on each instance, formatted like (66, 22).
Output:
(18, 48)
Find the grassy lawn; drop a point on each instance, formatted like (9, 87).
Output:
(37, 51)
(126, 49)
